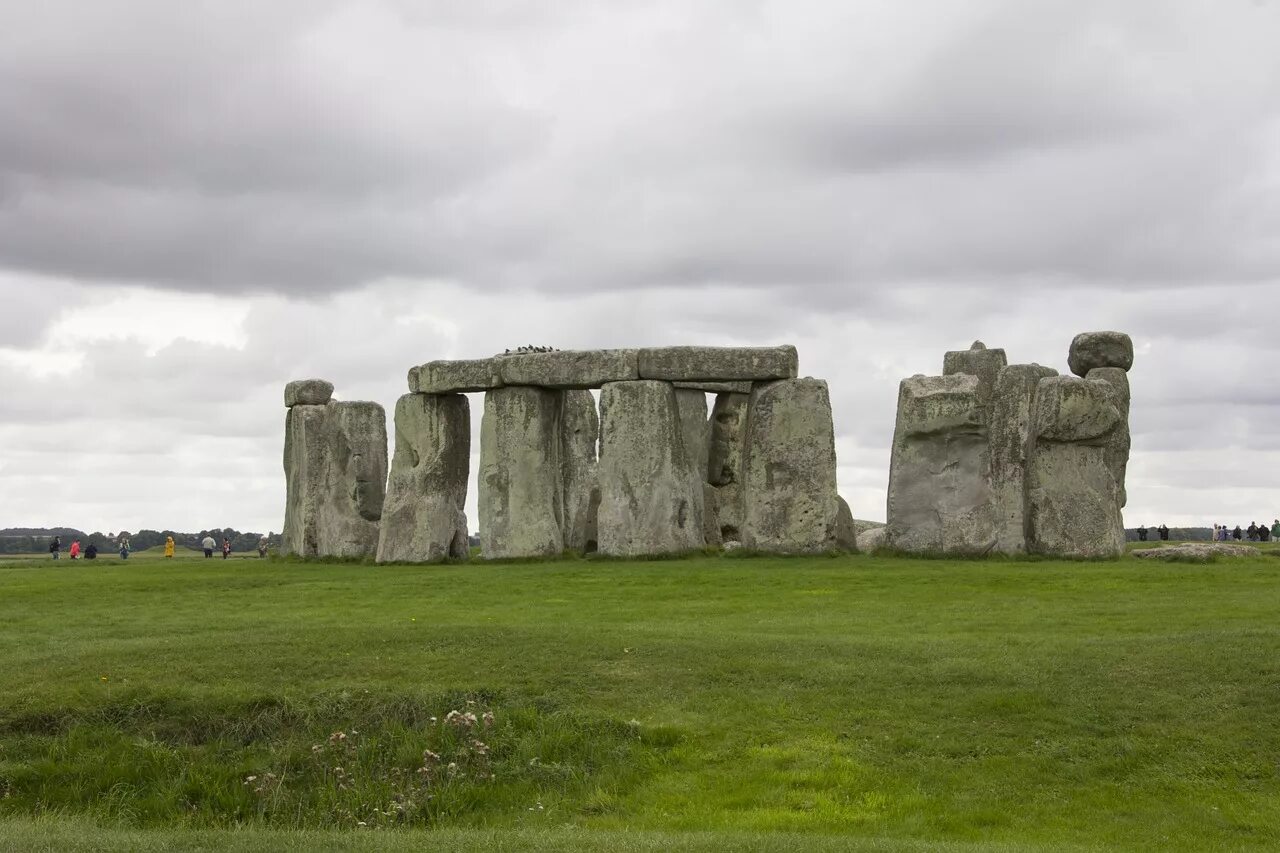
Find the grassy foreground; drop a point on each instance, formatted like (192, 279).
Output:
(843, 703)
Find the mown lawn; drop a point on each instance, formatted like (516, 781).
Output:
(710, 703)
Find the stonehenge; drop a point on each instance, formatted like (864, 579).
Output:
(1013, 459)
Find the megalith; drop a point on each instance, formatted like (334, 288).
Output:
(521, 484)
(978, 361)
(790, 503)
(1073, 496)
(1118, 445)
(1099, 349)
(335, 462)
(424, 516)
(650, 496)
(939, 470)
(692, 405)
(580, 436)
(1012, 440)
(728, 427)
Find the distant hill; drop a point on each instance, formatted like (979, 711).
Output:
(30, 540)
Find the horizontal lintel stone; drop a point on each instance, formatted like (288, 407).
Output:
(712, 387)
(455, 377)
(567, 369)
(308, 392)
(719, 364)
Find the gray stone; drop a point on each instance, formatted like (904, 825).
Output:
(719, 364)
(1075, 410)
(978, 361)
(697, 430)
(742, 387)
(732, 545)
(789, 475)
(521, 483)
(308, 392)
(580, 436)
(939, 472)
(724, 460)
(455, 377)
(1012, 440)
(871, 539)
(566, 369)
(335, 462)
(711, 516)
(846, 529)
(1118, 443)
(1100, 349)
(650, 497)
(1200, 552)
(424, 517)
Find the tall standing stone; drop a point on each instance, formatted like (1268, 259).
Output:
(1118, 445)
(521, 486)
(650, 496)
(940, 468)
(580, 436)
(724, 461)
(697, 430)
(424, 516)
(1012, 441)
(306, 473)
(790, 502)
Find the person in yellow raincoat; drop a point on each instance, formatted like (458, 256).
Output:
(168, 546)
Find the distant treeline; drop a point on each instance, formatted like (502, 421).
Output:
(28, 540)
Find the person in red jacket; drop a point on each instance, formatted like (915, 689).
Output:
(75, 549)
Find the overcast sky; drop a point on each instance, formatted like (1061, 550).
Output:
(200, 201)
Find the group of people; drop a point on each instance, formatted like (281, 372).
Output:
(89, 552)
(1161, 531)
(1255, 533)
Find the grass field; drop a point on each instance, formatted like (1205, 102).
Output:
(711, 703)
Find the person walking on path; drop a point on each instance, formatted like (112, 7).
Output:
(226, 547)
(74, 552)
(55, 546)
(208, 545)
(262, 547)
(168, 546)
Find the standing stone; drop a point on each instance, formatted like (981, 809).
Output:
(846, 530)
(978, 361)
(521, 483)
(711, 516)
(940, 468)
(1119, 444)
(424, 517)
(697, 430)
(724, 461)
(580, 435)
(335, 461)
(790, 503)
(1012, 440)
(1100, 349)
(1073, 496)
(650, 496)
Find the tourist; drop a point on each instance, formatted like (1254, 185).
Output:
(1164, 533)
(208, 545)
(1237, 534)
(124, 547)
(1216, 535)
(168, 546)
(262, 547)
(226, 547)
(1253, 531)
(74, 552)
(1142, 533)
(55, 546)
(91, 553)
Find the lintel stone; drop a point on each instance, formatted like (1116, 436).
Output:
(719, 364)
(567, 369)
(455, 377)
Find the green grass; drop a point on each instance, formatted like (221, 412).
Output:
(856, 702)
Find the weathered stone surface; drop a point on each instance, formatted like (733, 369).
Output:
(568, 369)
(940, 465)
(521, 483)
(650, 497)
(455, 377)
(1012, 439)
(580, 436)
(308, 392)
(424, 517)
(742, 387)
(1118, 443)
(1075, 410)
(1196, 551)
(335, 461)
(719, 364)
(789, 475)
(696, 429)
(871, 539)
(711, 516)
(1100, 349)
(845, 533)
(978, 361)
(724, 461)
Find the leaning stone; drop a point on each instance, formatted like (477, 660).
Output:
(789, 482)
(521, 482)
(742, 387)
(308, 392)
(424, 518)
(978, 361)
(939, 496)
(1118, 443)
(697, 430)
(1012, 439)
(455, 377)
(578, 369)
(1100, 349)
(871, 539)
(580, 436)
(719, 364)
(650, 496)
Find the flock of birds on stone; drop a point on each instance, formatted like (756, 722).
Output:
(530, 348)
